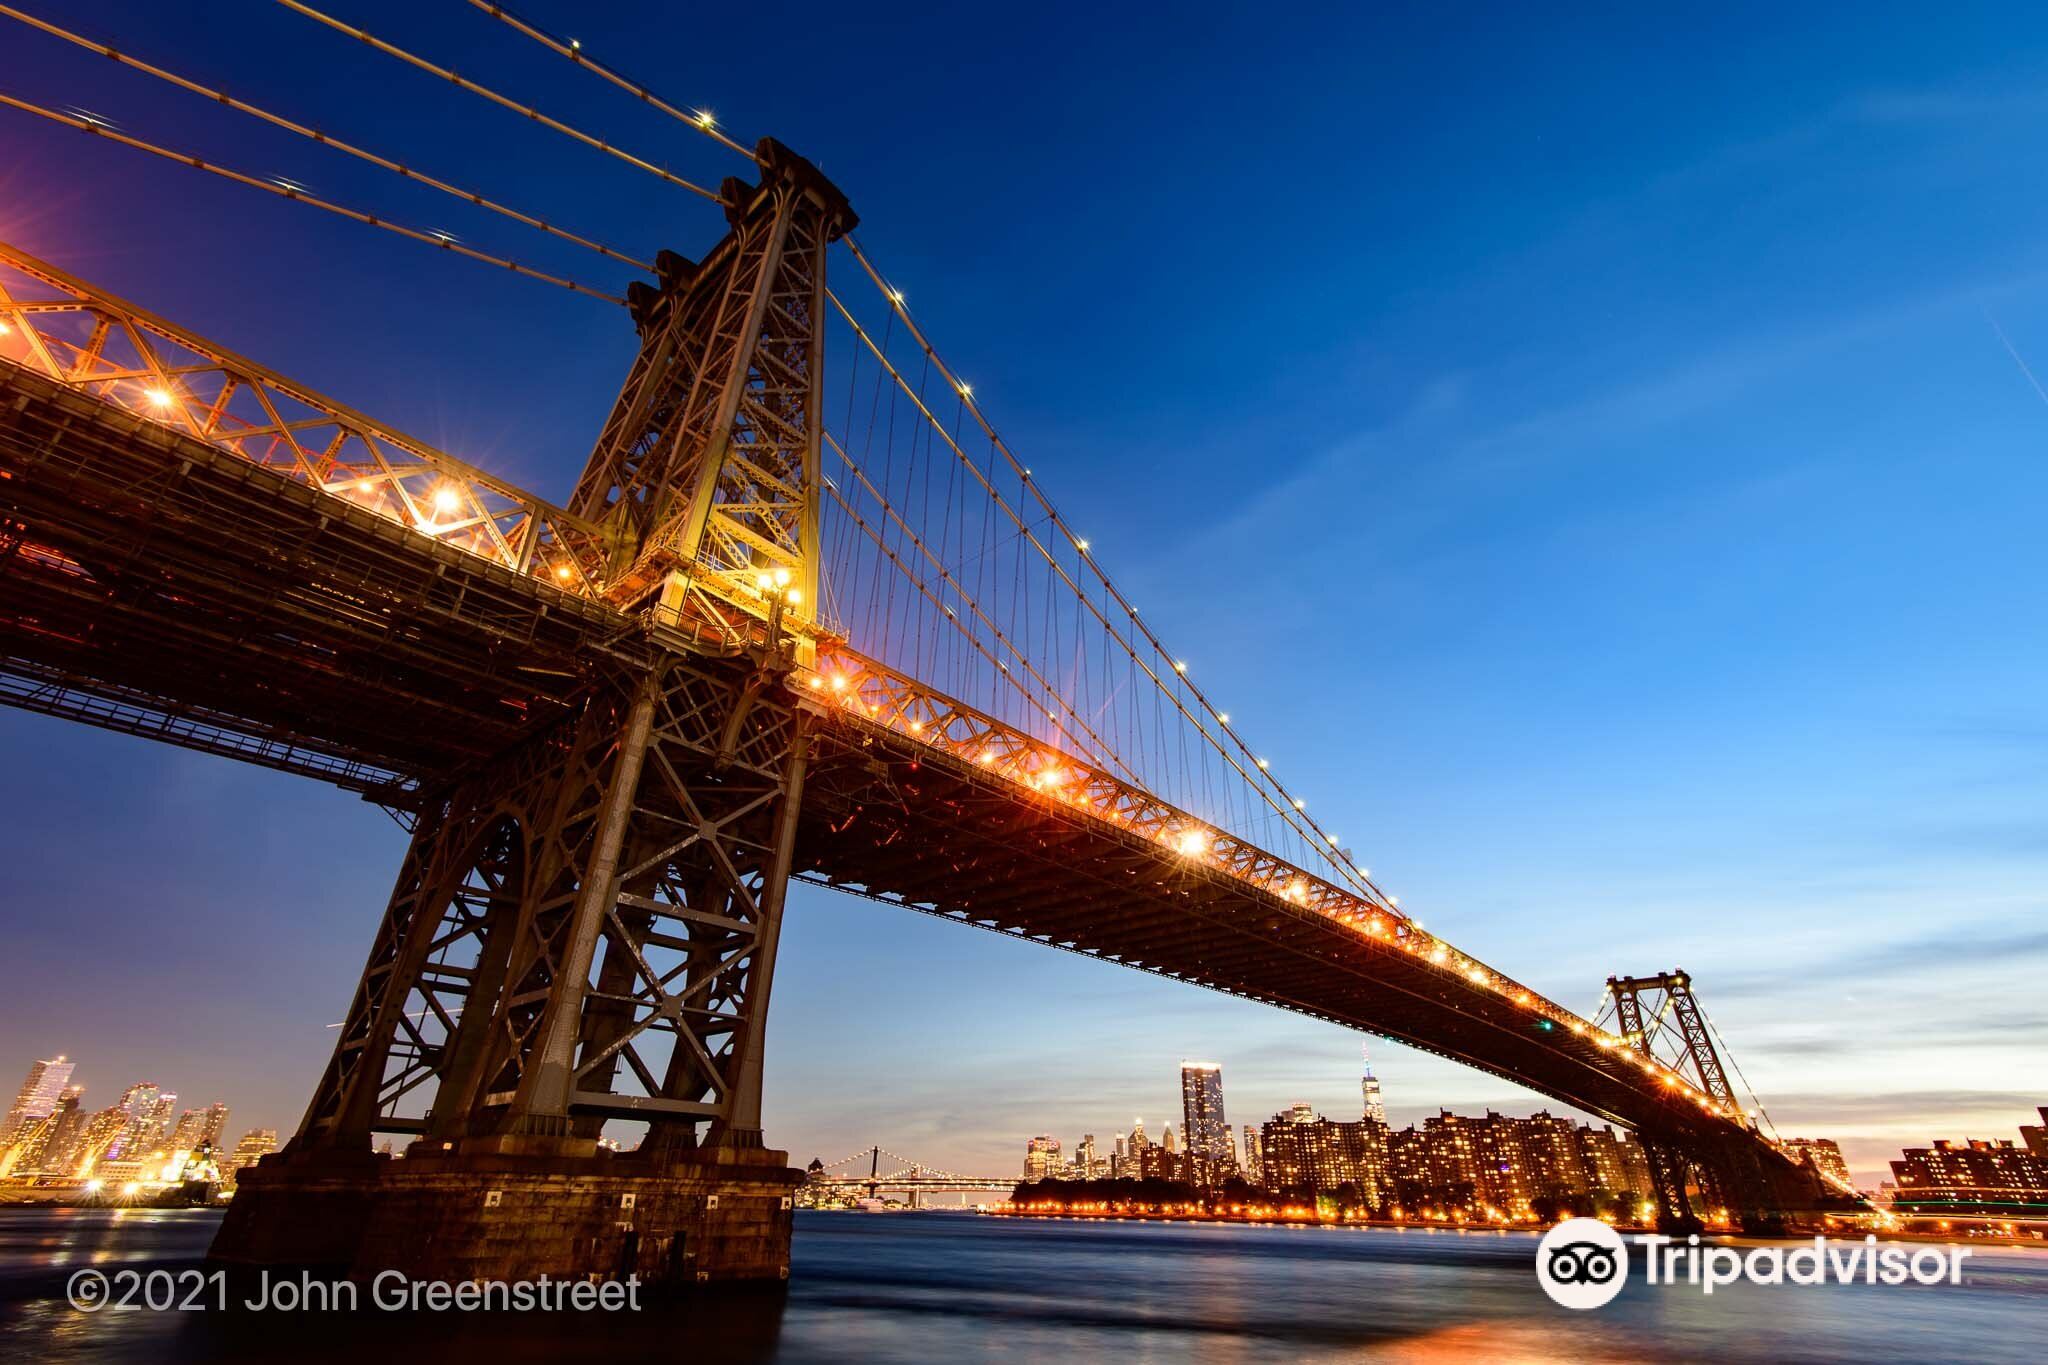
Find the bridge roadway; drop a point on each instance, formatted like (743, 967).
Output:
(154, 583)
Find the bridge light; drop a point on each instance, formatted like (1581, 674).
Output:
(816, 681)
(916, 727)
(705, 121)
(1263, 765)
(362, 485)
(563, 572)
(158, 398)
(1223, 718)
(966, 390)
(1300, 804)
(5, 330)
(782, 577)
(1082, 546)
(1180, 665)
(896, 297)
(838, 683)
(1192, 843)
(1332, 838)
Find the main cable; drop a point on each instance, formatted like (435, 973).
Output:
(314, 134)
(503, 101)
(699, 119)
(98, 128)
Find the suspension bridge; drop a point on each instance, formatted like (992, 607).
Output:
(803, 615)
(906, 1173)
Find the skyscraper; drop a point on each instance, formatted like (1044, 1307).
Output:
(254, 1146)
(1374, 1109)
(198, 1128)
(1204, 1129)
(1254, 1157)
(67, 1126)
(1041, 1157)
(38, 1096)
(1826, 1157)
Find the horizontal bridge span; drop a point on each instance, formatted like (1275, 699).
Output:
(928, 803)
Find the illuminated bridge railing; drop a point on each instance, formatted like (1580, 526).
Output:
(880, 697)
(64, 328)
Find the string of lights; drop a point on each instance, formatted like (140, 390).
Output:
(98, 127)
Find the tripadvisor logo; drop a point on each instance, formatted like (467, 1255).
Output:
(1582, 1263)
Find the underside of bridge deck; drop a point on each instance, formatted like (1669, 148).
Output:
(150, 581)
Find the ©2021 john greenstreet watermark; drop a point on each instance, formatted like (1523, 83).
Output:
(1583, 1263)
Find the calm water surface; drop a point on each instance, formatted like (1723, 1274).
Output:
(934, 1286)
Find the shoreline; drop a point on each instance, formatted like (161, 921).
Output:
(1952, 1237)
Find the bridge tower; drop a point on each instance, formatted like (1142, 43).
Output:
(584, 927)
(1727, 1176)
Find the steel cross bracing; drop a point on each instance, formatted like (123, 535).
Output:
(708, 463)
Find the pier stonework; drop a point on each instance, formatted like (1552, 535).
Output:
(673, 1222)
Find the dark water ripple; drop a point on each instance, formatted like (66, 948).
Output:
(933, 1286)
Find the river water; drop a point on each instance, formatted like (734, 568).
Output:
(945, 1287)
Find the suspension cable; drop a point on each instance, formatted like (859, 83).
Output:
(503, 101)
(1101, 749)
(98, 128)
(314, 134)
(700, 119)
(1325, 845)
(1736, 1067)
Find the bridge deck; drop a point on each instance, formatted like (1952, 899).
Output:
(144, 570)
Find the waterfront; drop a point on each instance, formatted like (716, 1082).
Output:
(925, 1286)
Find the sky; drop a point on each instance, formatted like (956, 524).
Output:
(1596, 457)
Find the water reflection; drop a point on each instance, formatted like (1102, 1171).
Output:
(919, 1287)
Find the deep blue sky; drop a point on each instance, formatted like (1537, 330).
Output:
(1580, 451)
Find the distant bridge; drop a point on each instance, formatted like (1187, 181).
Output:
(907, 1174)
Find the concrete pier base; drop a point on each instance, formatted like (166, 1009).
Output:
(517, 1209)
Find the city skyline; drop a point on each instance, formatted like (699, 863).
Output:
(1626, 645)
(55, 1145)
